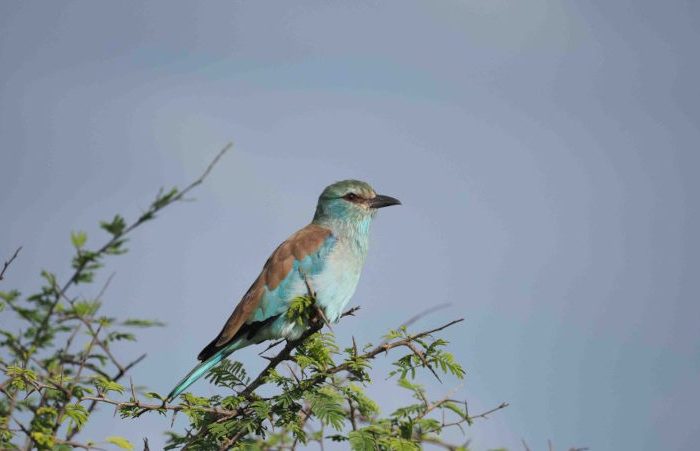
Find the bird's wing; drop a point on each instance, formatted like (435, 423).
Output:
(270, 293)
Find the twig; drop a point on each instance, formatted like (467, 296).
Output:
(353, 420)
(439, 442)
(227, 443)
(484, 415)
(102, 344)
(206, 172)
(283, 355)
(350, 312)
(105, 286)
(163, 406)
(291, 371)
(122, 370)
(429, 407)
(75, 445)
(383, 347)
(9, 262)
(115, 378)
(420, 315)
(305, 414)
(133, 391)
(424, 313)
(62, 409)
(421, 356)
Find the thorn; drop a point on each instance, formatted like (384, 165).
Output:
(133, 391)
(323, 317)
(271, 346)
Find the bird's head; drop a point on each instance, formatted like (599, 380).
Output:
(350, 201)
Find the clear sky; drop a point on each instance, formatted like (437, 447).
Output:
(546, 153)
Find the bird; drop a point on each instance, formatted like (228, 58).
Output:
(325, 256)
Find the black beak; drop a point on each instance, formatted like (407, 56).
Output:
(381, 201)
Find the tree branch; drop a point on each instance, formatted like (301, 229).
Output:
(149, 214)
(391, 345)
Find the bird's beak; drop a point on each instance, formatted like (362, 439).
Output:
(381, 201)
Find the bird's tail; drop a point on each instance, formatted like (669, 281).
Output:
(201, 369)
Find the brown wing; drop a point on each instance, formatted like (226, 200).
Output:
(296, 247)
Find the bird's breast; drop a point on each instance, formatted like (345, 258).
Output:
(336, 283)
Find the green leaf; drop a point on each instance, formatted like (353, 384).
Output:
(120, 442)
(229, 374)
(405, 383)
(362, 441)
(42, 439)
(21, 379)
(118, 336)
(364, 404)
(300, 309)
(77, 413)
(261, 408)
(9, 296)
(86, 308)
(116, 227)
(78, 239)
(400, 444)
(153, 395)
(163, 199)
(105, 385)
(116, 247)
(142, 323)
(326, 405)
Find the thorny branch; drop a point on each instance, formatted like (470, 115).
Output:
(149, 214)
(286, 352)
(70, 386)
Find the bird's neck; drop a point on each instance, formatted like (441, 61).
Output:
(354, 233)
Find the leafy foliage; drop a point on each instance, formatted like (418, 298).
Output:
(59, 364)
(321, 396)
(59, 368)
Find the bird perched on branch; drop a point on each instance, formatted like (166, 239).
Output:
(324, 259)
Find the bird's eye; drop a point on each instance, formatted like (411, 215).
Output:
(352, 197)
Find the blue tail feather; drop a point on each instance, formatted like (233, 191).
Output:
(200, 370)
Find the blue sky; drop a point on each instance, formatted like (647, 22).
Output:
(546, 153)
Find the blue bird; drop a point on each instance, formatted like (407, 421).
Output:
(328, 255)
